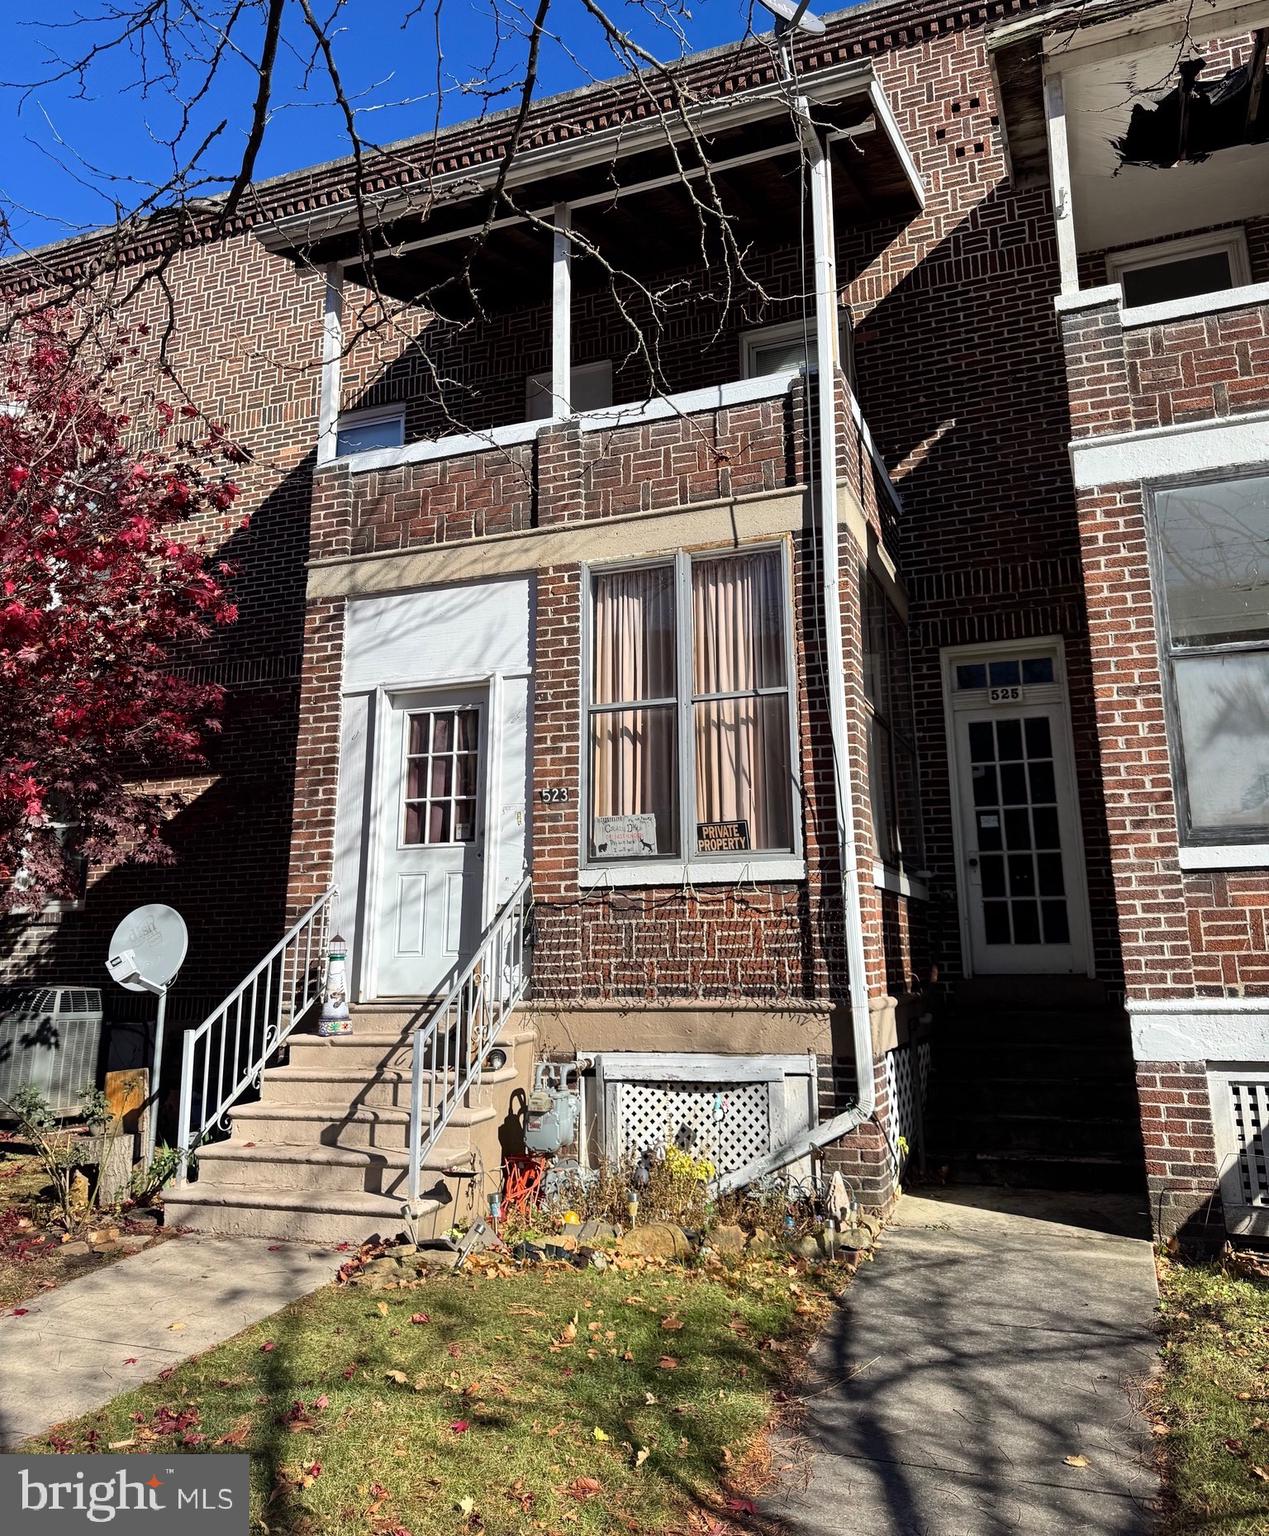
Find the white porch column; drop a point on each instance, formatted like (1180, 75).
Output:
(562, 314)
(332, 364)
(1060, 180)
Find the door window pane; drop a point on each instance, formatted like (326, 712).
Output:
(436, 768)
(1011, 828)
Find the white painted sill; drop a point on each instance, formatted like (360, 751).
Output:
(1225, 856)
(698, 872)
(1193, 308)
(604, 418)
(886, 878)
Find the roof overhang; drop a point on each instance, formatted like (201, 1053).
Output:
(845, 101)
(1092, 39)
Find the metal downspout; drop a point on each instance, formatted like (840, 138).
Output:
(826, 341)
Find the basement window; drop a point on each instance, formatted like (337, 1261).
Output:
(363, 431)
(1211, 547)
(690, 721)
(1180, 269)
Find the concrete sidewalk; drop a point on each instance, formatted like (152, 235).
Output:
(995, 1333)
(67, 1354)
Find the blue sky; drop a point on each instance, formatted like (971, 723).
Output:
(68, 157)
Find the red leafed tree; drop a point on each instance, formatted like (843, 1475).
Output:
(103, 587)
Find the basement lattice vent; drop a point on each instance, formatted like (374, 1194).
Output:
(1240, 1117)
(729, 1109)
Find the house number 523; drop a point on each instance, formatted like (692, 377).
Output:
(553, 796)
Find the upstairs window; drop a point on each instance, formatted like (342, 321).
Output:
(590, 386)
(1212, 558)
(791, 345)
(690, 712)
(362, 431)
(1180, 269)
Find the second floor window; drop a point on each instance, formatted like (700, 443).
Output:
(689, 710)
(361, 431)
(1212, 553)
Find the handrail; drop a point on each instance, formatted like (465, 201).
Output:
(450, 1048)
(276, 994)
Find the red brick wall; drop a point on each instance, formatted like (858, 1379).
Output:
(245, 350)
(960, 376)
(1211, 366)
(1181, 1163)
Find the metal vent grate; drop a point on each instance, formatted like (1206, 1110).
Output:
(1239, 1093)
(729, 1123)
(1249, 1104)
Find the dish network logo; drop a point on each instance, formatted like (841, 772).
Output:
(100, 1502)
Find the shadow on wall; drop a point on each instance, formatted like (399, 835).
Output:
(231, 835)
(961, 378)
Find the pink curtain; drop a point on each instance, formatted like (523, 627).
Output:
(634, 765)
(742, 744)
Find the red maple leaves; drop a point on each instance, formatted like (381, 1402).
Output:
(104, 590)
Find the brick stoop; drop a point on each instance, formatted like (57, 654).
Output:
(322, 1155)
(1040, 1096)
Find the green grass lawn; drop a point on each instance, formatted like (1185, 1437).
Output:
(1213, 1400)
(550, 1399)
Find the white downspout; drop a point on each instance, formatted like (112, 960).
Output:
(826, 343)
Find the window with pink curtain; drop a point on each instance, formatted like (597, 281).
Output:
(727, 788)
(634, 713)
(740, 702)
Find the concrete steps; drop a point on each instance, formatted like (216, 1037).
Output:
(1037, 1097)
(323, 1154)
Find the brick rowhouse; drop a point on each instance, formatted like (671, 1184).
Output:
(970, 385)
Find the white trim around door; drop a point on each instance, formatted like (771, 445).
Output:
(382, 807)
(1021, 882)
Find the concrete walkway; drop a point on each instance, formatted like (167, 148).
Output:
(994, 1334)
(67, 1354)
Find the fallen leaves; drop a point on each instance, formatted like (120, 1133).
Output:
(672, 1323)
(459, 1426)
(1076, 1461)
(583, 1488)
(667, 1363)
(420, 1317)
(267, 1347)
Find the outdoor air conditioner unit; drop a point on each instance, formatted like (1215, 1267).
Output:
(49, 1040)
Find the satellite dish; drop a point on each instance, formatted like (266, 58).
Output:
(148, 948)
(793, 16)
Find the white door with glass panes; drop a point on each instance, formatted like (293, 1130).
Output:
(1021, 865)
(431, 859)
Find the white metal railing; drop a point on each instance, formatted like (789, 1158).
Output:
(228, 1051)
(450, 1048)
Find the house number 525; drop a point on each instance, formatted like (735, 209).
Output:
(553, 796)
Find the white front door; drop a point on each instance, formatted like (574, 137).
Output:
(429, 897)
(1020, 861)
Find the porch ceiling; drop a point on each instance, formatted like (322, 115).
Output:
(1120, 82)
(423, 243)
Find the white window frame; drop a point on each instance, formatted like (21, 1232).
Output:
(601, 369)
(1219, 848)
(370, 417)
(1159, 253)
(762, 336)
(756, 864)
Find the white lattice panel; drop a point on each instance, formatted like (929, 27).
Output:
(729, 1123)
(907, 1080)
(731, 1109)
(1240, 1119)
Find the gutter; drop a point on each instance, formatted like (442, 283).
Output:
(826, 341)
